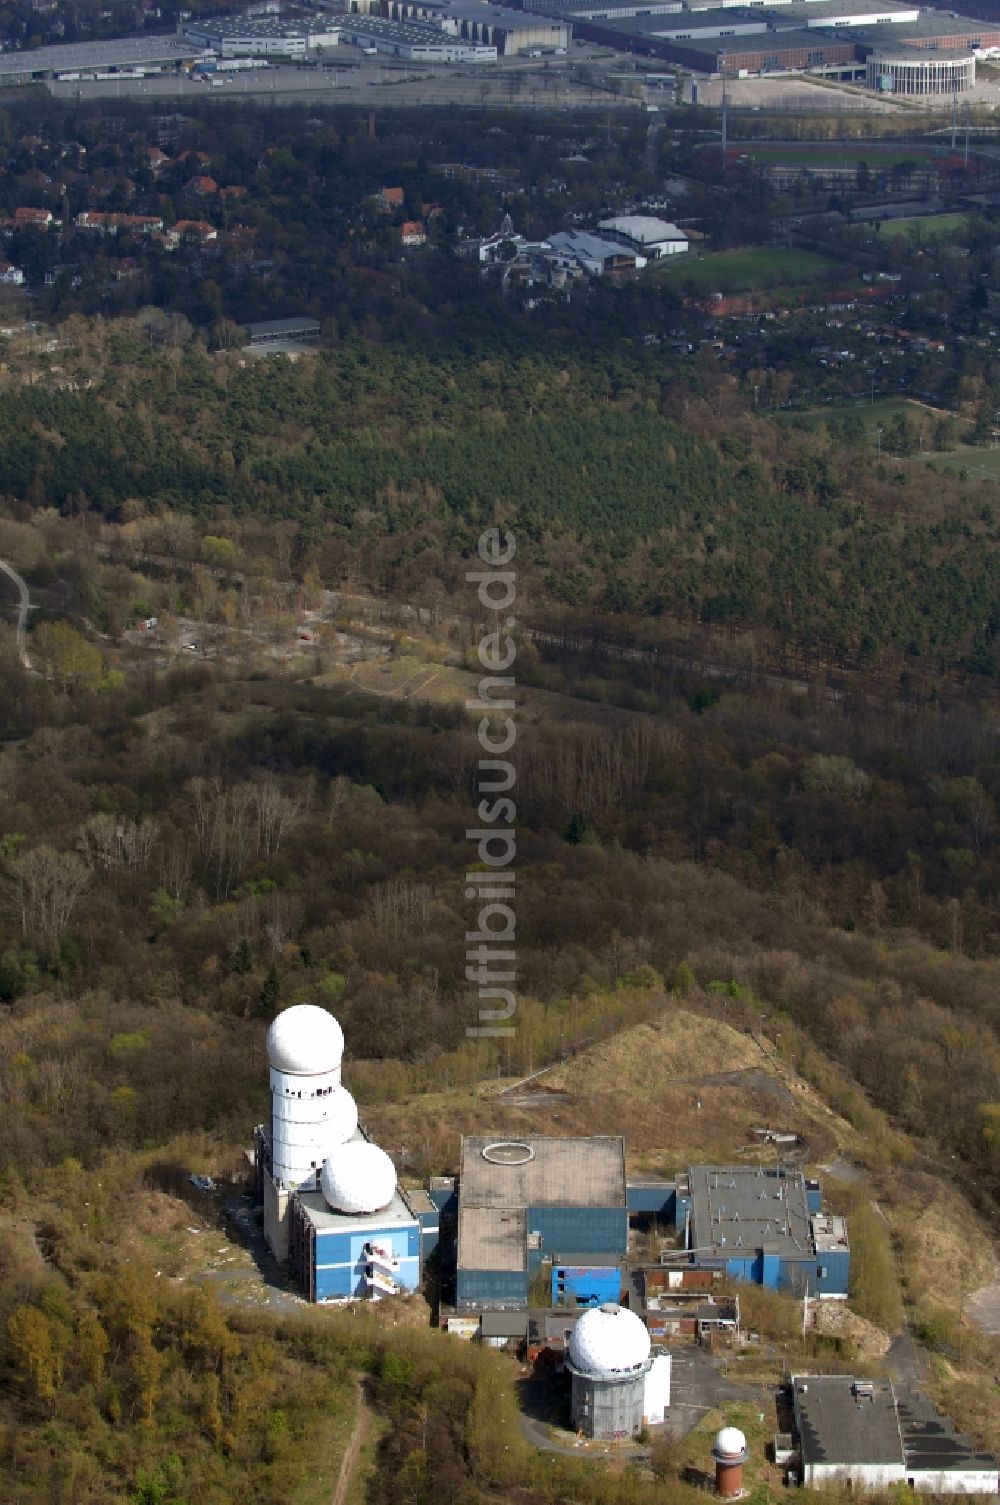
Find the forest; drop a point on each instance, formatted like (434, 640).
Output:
(757, 780)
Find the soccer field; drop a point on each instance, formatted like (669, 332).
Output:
(745, 270)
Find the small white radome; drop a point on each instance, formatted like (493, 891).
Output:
(730, 1443)
(609, 1339)
(358, 1177)
(305, 1041)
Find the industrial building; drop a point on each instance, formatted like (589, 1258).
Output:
(282, 331)
(414, 41)
(645, 235)
(870, 1435)
(511, 32)
(332, 1205)
(92, 59)
(525, 1202)
(763, 1224)
(241, 36)
(837, 37)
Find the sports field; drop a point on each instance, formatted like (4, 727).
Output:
(981, 464)
(925, 227)
(745, 270)
(871, 414)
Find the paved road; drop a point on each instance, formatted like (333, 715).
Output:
(22, 611)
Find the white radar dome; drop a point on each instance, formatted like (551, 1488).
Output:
(305, 1041)
(730, 1443)
(341, 1122)
(358, 1177)
(609, 1339)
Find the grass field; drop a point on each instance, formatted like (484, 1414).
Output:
(841, 154)
(746, 270)
(926, 227)
(981, 464)
(871, 414)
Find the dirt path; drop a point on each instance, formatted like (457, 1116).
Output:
(352, 1452)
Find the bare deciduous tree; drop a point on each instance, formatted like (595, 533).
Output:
(46, 885)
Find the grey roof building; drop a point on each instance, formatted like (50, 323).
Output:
(865, 1434)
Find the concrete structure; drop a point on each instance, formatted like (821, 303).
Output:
(521, 1203)
(609, 1359)
(865, 1434)
(730, 1454)
(763, 1224)
(643, 233)
(913, 71)
(414, 41)
(656, 1391)
(238, 36)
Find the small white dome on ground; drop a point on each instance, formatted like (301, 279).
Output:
(359, 1177)
(609, 1339)
(305, 1041)
(730, 1443)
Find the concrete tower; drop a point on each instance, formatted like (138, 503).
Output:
(609, 1361)
(730, 1454)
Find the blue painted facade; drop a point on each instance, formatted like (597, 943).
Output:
(430, 1231)
(657, 1199)
(814, 1196)
(582, 1230)
(823, 1274)
(497, 1288)
(341, 1262)
(585, 1285)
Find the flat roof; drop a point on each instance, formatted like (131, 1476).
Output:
(421, 32)
(843, 1420)
(121, 50)
(491, 1238)
(593, 247)
(504, 1324)
(419, 1200)
(749, 1207)
(585, 1172)
(498, 15)
(238, 26)
(325, 1220)
(930, 1441)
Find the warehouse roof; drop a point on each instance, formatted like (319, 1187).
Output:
(276, 329)
(842, 1420)
(504, 1325)
(122, 50)
(542, 1172)
(738, 1208)
(492, 1239)
(496, 15)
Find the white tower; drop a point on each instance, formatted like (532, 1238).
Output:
(311, 1113)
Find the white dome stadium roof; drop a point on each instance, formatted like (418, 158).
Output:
(358, 1177)
(305, 1041)
(730, 1442)
(608, 1339)
(341, 1122)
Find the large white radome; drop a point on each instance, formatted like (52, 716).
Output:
(607, 1340)
(305, 1041)
(359, 1177)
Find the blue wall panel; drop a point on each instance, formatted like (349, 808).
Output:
(585, 1285)
(341, 1261)
(657, 1198)
(682, 1210)
(498, 1288)
(578, 1230)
